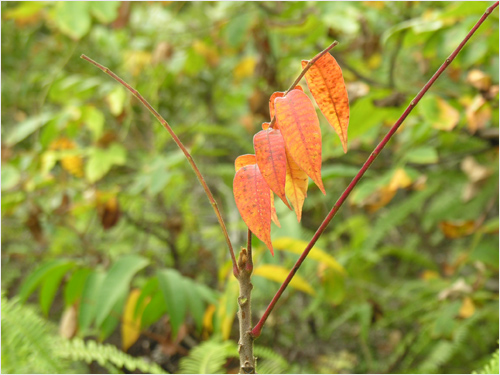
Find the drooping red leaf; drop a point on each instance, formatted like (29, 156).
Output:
(278, 94)
(271, 158)
(296, 185)
(243, 160)
(274, 216)
(327, 86)
(252, 196)
(299, 126)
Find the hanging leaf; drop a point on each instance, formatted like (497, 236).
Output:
(274, 216)
(299, 126)
(278, 94)
(296, 185)
(243, 160)
(271, 158)
(327, 86)
(251, 194)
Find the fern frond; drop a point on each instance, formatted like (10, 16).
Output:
(208, 357)
(105, 355)
(269, 362)
(492, 367)
(28, 341)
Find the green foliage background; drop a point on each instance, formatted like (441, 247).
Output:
(97, 201)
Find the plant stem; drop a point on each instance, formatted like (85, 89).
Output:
(245, 344)
(256, 331)
(303, 72)
(181, 146)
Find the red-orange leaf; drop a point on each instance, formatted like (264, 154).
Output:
(271, 158)
(296, 185)
(278, 94)
(252, 196)
(299, 126)
(327, 86)
(243, 160)
(274, 216)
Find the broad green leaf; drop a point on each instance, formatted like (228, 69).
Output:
(75, 285)
(88, 303)
(195, 302)
(154, 310)
(94, 119)
(20, 131)
(148, 290)
(101, 161)
(50, 284)
(109, 324)
(104, 11)
(73, 18)
(296, 246)
(36, 277)
(117, 283)
(172, 287)
(422, 155)
(10, 177)
(279, 274)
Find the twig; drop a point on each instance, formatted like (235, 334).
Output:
(303, 72)
(258, 328)
(181, 146)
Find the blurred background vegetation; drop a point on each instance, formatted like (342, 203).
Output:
(112, 258)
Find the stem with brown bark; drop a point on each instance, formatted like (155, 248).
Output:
(181, 146)
(245, 344)
(256, 331)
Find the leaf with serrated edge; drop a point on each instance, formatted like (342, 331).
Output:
(327, 86)
(299, 126)
(252, 197)
(271, 158)
(296, 185)
(274, 216)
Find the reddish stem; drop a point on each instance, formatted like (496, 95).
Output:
(181, 146)
(256, 331)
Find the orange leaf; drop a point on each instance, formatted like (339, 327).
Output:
(274, 216)
(327, 86)
(299, 126)
(457, 229)
(296, 185)
(278, 94)
(271, 158)
(243, 160)
(252, 196)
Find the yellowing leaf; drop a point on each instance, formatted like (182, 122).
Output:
(208, 319)
(478, 113)
(467, 309)
(299, 126)
(457, 229)
(296, 246)
(245, 68)
(296, 185)
(279, 274)
(448, 116)
(252, 197)
(271, 158)
(327, 86)
(131, 327)
(399, 180)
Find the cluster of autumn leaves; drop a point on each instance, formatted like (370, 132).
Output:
(288, 149)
